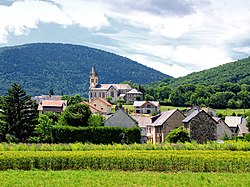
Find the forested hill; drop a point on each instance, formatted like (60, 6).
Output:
(234, 72)
(65, 68)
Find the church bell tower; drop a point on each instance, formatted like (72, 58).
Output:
(93, 77)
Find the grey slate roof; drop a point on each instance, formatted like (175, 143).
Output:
(120, 119)
(116, 86)
(233, 121)
(243, 129)
(216, 119)
(143, 121)
(163, 117)
(134, 91)
(191, 116)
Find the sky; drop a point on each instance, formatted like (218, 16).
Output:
(176, 37)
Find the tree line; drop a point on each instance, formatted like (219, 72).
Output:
(225, 95)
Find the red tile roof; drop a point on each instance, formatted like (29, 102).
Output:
(103, 100)
(54, 103)
(92, 106)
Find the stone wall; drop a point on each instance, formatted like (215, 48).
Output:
(173, 122)
(202, 128)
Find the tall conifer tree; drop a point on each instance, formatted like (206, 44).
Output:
(18, 116)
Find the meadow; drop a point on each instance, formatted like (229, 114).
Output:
(223, 112)
(119, 178)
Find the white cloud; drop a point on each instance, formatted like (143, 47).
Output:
(174, 36)
(242, 49)
(22, 16)
(173, 70)
(87, 13)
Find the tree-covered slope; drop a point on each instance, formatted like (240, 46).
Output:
(235, 72)
(65, 68)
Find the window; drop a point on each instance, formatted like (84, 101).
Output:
(112, 94)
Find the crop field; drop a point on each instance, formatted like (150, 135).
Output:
(79, 164)
(129, 160)
(229, 145)
(119, 178)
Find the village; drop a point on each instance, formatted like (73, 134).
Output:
(202, 124)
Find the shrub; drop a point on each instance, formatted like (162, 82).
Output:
(75, 115)
(247, 137)
(95, 120)
(179, 134)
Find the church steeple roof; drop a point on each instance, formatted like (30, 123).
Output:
(93, 71)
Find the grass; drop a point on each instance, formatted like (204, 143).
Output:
(224, 112)
(229, 112)
(163, 108)
(119, 178)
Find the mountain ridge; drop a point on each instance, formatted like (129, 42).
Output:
(65, 68)
(234, 72)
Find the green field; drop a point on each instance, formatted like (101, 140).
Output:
(119, 178)
(224, 112)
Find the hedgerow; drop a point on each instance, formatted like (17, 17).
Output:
(157, 160)
(96, 135)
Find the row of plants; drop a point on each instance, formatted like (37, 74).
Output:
(143, 160)
(230, 145)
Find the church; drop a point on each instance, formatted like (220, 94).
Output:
(115, 91)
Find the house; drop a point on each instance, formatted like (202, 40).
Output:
(143, 122)
(234, 121)
(52, 105)
(242, 130)
(223, 129)
(120, 119)
(201, 126)
(133, 95)
(208, 110)
(102, 105)
(92, 108)
(47, 97)
(146, 107)
(115, 91)
(162, 124)
(123, 119)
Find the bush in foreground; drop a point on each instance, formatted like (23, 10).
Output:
(178, 135)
